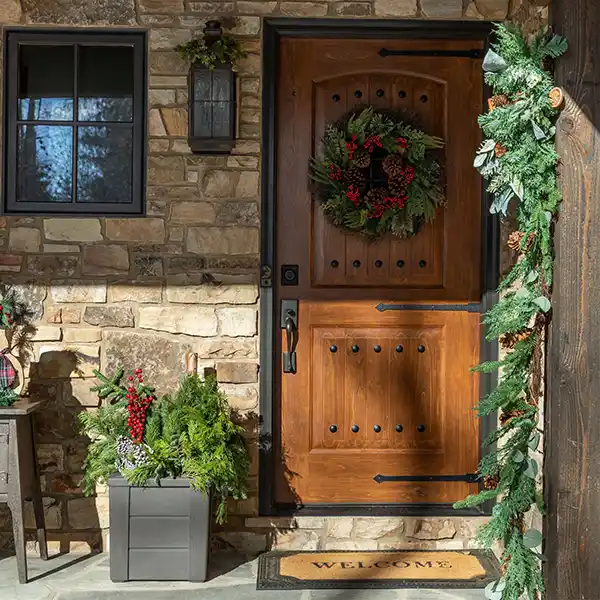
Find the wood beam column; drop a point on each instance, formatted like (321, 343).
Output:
(572, 442)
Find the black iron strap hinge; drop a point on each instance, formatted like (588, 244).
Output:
(471, 307)
(473, 53)
(467, 477)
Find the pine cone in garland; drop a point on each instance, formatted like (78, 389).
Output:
(497, 101)
(505, 417)
(354, 176)
(514, 240)
(490, 482)
(556, 97)
(362, 159)
(393, 165)
(500, 150)
(509, 340)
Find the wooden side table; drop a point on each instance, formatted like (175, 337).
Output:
(19, 475)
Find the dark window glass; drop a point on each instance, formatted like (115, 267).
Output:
(103, 168)
(46, 83)
(74, 124)
(105, 83)
(45, 163)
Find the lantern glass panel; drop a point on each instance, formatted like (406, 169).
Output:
(221, 97)
(202, 104)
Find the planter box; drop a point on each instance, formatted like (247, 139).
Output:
(159, 532)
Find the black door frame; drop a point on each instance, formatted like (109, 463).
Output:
(274, 29)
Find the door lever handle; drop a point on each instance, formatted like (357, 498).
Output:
(289, 322)
(291, 334)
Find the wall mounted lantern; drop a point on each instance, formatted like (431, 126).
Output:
(212, 97)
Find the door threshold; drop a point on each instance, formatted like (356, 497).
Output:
(377, 510)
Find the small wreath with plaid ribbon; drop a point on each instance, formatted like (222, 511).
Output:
(376, 174)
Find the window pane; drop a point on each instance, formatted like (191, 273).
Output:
(46, 76)
(44, 163)
(105, 83)
(104, 159)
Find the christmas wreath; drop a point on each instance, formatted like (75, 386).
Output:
(376, 174)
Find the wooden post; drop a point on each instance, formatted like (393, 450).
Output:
(572, 443)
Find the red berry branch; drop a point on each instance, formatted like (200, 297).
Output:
(371, 142)
(352, 147)
(137, 395)
(139, 400)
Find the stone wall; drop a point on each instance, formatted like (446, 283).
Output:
(145, 292)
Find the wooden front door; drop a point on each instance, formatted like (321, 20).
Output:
(381, 388)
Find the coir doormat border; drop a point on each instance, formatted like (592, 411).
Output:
(269, 577)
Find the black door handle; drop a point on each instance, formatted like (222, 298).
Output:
(289, 322)
(291, 334)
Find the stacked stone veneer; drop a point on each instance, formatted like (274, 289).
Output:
(353, 533)
(144, 292)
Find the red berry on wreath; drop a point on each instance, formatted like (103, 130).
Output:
(353, 194)
(402, 142)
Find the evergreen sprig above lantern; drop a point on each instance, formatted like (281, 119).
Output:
(212, 90)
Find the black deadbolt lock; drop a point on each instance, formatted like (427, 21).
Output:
(289, 274)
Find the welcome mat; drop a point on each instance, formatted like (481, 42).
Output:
(380, 569)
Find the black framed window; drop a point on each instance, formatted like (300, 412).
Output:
(74, 122)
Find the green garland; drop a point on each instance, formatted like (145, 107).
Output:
(411, 192)
(519, 160)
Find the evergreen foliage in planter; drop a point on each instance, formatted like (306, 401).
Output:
(163, 460)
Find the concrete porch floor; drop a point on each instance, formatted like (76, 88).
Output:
(86, 577)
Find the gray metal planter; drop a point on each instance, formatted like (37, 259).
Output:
(159, 532)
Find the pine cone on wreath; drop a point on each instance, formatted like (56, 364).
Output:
(393, 165)
(376, 195)
(362, 159)
(397, 187)
(354, 176)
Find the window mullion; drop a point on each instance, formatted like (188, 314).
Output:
(75, 119)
